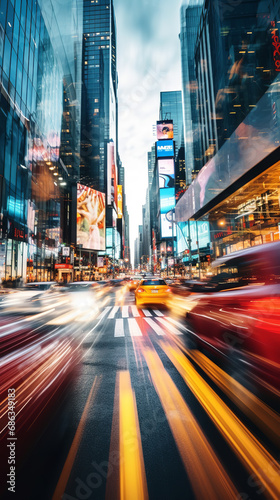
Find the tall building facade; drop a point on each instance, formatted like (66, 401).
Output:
(40, 57)
(237, 65)
(190, 17)
(171, 109)
(99, 95)
(100, 163)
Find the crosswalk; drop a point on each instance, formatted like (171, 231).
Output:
(127, 311)
(129, 321)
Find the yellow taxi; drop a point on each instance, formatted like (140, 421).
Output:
(152, 291)
(134, 282)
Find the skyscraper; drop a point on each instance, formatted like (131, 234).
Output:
(99, 96)
(40, 52)
(171, 109)
(190, 17)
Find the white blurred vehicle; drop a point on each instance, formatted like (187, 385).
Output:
(31, 298)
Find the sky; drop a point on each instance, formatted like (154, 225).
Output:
(148, 62)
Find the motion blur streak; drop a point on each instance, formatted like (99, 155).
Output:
(64, 318)
(253, 407)
(66, 471)
(132, 471)
(249, 450)
(207, 475)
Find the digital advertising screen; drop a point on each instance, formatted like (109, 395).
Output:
(91, 218)
(167, 200)
(112, 181)
(166, 173)
(165, 130)
(120, 202)
(166, 227)
(165, 149)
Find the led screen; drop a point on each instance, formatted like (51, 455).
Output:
(167, 200)
(164, 130)
(90, 218)
(120, 202)
(112, 195)
(167, 203)
(166, 173)
(165, 149)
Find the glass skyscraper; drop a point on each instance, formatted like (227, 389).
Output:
(40, 56)
(171, 109)
(190, 17)
(99, 96)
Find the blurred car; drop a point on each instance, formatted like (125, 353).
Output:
(116, 282)
(35, 380)
(152, 291)
(242, 323)
(81, 294)
(32, 297)
(134, 282)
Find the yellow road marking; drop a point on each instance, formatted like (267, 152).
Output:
(254, 456)
(66, 471)
(267, 419)
(133, 483)
(208, 478)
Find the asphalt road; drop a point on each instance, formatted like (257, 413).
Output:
(147, 418)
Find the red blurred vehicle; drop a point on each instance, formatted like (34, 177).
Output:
(243, 323)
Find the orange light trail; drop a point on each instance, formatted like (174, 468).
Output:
(208, 478)
(254, 456)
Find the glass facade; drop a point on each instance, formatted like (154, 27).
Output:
(235, 64)
(171, 109)
(190, 16)
(34, 101)
(99, 97)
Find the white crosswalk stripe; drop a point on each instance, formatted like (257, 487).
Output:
(135, 312)
(125, 312)
(175, 322)
(157, 312)
(134, 328)
(146, 312)
(113, 312)
(119, 328)
(169, 327)
(155, 326)
(106, 310)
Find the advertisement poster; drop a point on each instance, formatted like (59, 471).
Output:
(165, 130)
(120, 202)
(165, 149)
(166, 173)
(90, 218)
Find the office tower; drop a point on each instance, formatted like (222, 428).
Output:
(99, 96)
(236, 61)
(171, 109)
(190, 17)
(39, 112)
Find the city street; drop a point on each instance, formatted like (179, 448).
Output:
(146, 417)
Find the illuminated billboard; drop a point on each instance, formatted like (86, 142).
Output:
(120, 203)
(165, 130)
(166, 173)
(90, 218)
(112, 180)
(167, 203)
(165, 149)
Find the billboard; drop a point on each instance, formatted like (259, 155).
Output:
(90, 218)
(165, 130)
(120, 203)
(199, 233)
(112, 180)
(165, 149)
(166, 173)
(167, 203)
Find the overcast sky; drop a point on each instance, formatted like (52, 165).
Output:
(148, 59)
